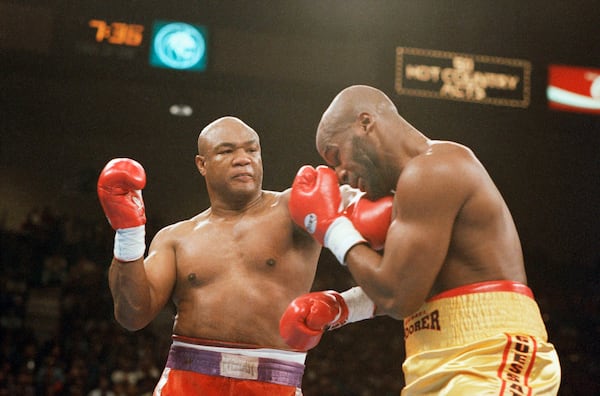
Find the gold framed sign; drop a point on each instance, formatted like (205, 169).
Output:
(463, 77)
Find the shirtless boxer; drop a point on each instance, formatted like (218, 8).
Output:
(452, 266)
(230, 270)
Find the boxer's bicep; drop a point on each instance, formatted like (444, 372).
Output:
(413, 255)
(417, 242)
(414, 251)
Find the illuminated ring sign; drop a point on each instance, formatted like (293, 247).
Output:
(178, 45)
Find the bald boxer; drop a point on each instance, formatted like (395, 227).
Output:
(452, 266)
(231, 270)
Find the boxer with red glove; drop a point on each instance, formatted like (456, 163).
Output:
(315, 205)
(371, 218)
(307, 317)
(120, 187)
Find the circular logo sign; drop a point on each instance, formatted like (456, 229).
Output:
(179, 45)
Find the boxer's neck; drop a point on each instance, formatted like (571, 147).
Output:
(230, 210)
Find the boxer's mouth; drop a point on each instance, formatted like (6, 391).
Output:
(244, 176)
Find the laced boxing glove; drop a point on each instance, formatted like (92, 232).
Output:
(315, 200)
(119, 191)
(371, 218)
(307, 317)
(315, 205)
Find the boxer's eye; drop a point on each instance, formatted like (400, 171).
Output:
(332, 156)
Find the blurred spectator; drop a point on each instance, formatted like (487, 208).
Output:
(54, 271)
(91, 355)
(103, 388)
(50, 378)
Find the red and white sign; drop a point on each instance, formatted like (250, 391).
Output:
(572, 88)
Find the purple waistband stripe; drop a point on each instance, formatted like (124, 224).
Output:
(235, 366)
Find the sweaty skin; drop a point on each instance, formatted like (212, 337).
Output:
(451, 226)
(232, 269)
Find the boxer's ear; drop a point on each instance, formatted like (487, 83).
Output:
(200, 164)
(366, 122)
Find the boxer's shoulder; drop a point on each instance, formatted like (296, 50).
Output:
(182, 227)
(275, 199)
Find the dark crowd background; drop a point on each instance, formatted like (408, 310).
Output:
(69, 104)
(59, 336)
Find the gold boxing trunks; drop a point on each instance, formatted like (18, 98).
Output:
(482, 339)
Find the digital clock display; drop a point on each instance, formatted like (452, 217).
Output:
(117, 33)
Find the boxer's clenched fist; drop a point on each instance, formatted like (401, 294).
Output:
(315, 206)
(371, 218)
(309, 316)
(120, 192)
(315, 200)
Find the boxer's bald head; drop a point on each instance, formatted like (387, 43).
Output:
(346, 108)
(221, 129)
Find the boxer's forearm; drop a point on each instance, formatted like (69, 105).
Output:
(119, 191)
(394, 292)
(131, 294)
(388, 292)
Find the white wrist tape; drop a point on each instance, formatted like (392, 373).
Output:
(341, 236)
(360, 306)
(130, 243)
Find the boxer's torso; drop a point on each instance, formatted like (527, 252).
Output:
(484, 243)
(236, 275)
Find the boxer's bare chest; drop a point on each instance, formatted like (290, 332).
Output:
(252, 245)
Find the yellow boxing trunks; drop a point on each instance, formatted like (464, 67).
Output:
(195, 368)
(482, 339)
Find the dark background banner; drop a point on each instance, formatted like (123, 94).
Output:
(69, 103)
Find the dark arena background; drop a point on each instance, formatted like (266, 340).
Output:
(82, 82)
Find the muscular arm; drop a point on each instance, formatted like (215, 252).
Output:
(427, 201)
(141, 288)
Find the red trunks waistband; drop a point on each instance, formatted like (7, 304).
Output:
(486, 287)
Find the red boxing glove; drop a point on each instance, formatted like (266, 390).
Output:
(315, 203)
(309, 316)
(371, 218)
(119, 190)
(315, 200)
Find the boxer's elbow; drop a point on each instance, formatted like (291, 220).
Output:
(397, 307)
(131, 321)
